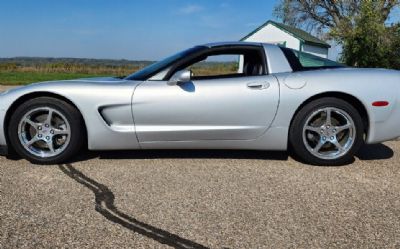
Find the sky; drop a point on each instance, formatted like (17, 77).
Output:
(126, 29)
(123, 29)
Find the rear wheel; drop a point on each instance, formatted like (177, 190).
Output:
(46, 130)
(327, 131)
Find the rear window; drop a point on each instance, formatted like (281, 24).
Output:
(300, 61)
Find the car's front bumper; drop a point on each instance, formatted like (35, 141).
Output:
(3, 150)
(3, 141)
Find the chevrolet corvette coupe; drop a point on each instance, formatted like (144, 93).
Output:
(274, 98)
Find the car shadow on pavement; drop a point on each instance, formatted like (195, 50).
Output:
(184, 154)
(375, 152)
(366, 153)
(104, 204)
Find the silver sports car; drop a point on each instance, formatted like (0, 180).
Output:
(276, 99)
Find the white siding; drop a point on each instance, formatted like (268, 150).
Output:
(272, 34)
(318, 51)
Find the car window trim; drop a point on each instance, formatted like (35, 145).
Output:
(261, 50)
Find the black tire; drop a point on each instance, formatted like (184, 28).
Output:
(297, 145)
(73, 116)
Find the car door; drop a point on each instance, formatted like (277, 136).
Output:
(216, 108)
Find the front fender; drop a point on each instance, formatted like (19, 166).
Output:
(89, 97)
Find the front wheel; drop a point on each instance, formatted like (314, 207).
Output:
(46, 130)
(327, 131)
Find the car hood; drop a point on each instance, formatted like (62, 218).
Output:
(98, 80)
(49, 85)
(95, 80)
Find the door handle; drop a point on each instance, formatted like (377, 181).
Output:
(258, 85)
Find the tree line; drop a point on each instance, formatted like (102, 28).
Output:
(367, 30)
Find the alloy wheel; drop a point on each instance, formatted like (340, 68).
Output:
(329, 133)
(44, 132)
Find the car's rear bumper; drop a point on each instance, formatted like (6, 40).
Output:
(387, 129)
(3, 150)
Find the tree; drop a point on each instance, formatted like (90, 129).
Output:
(359, 26)
(368, 43)
(395, 56)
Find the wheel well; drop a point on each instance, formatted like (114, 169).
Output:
(34, 95)
(356, 103)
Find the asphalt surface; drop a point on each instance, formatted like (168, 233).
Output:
(202, 199)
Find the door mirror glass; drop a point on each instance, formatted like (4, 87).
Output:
(183, 76)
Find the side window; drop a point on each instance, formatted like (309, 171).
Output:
(300, 61)
(216, 65)
(227, 63)
(309, 60)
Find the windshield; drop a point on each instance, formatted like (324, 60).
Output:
(300, 61)
(153, 69)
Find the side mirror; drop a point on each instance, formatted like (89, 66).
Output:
(183, 76)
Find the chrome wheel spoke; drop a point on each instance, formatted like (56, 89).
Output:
(337, 145)
(32, 141)
(49, 117)
(50, 145)
(343, 127)
(61, 132)
(31, 123)
(314, 129)
(328, 116)
(319, 146)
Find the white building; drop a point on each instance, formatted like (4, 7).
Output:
(277, 33)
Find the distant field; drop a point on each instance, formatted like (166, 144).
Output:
(23, 78)
(26, 70)
(22, 71)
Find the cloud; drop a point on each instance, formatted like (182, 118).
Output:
(190, 9)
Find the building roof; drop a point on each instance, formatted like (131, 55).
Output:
(298, 33)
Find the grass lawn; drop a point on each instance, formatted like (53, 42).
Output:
(23, 78)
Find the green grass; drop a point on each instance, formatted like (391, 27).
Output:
(23, 78)
(15, 74)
